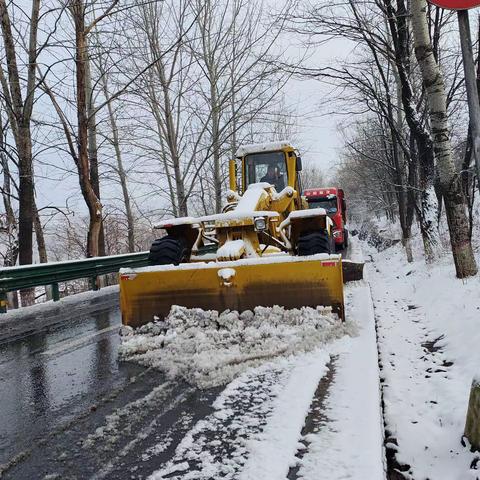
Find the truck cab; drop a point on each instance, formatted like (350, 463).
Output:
(332, 199)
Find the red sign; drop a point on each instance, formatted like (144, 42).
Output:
(456, 4)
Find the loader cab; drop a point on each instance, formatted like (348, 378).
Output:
(276, 163)
(269, 167)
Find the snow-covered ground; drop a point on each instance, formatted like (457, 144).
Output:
(428, 326)
(303, 396)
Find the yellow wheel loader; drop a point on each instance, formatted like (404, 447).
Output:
(266, 248)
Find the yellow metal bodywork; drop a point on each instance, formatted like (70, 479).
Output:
(243, 228)
(267, 279)
(232, 175)
(291, 282)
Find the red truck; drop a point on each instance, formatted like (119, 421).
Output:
(333, 201)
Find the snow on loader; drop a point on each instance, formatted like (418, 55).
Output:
(269, 248)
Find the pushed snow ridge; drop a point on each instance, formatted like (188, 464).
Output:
(208, 349)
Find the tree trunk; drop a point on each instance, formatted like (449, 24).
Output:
(25, 212)
(428, 213)
(217, 168)
(41, 247)
(422, 145)
(92, 146)
(437, 104)
(121, 171)
(172, 146)
(471, 84)
(163, 151)
(412, 182)
(11, 255)
(93, 203)
(20, 112)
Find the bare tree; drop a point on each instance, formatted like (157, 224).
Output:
(9, 222)
(213, 77)
(235, 53)
(383, 81)
(115, 142)
(92, 141)
(81, 140)
(19, 108)
(312, 176)
(167, 87)
(437, 103)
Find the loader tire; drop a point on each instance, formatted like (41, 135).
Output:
(313, 243)
(168, 251)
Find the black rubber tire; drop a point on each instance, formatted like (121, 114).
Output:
(168, 251)
(313, 243)
(345, 238)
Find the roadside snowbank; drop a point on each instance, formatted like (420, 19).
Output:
(209, 349)
(348, 440)
(428, 325)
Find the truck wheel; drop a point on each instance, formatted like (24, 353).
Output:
(312, 243)
(168, 251)
(345, 238)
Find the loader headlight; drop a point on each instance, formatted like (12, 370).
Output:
(260, 224)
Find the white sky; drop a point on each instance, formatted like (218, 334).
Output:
(318, 138)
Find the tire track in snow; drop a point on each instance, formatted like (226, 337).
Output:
(348, 443)
(315, 418)
(217, 446)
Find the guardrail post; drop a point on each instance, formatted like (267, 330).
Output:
(94, 284)
(55, 292)
(3, 302)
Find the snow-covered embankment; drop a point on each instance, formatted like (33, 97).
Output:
(428, 324)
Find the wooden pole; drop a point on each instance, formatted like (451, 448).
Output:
(471, 84)
(472, 424)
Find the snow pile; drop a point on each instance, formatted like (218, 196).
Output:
(231, 250)
(263, 147)
(209, 349)
(251, 198)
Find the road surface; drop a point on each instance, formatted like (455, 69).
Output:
(57, 387)
(71, 410)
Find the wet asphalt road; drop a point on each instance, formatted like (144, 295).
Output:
(70, 410)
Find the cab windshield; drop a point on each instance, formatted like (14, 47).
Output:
(267, 167)
(329, 204)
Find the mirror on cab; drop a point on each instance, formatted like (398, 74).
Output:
(299, 164)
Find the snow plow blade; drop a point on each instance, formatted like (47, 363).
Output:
(352, 271)
(291, 282)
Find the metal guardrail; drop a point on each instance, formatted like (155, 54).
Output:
(43, 274)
